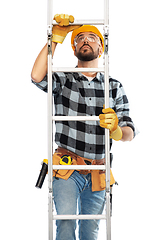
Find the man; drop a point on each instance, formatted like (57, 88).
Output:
(78, 94)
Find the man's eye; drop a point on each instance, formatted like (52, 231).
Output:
(92, 39)
(81, 38)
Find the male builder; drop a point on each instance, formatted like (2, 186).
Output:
(78, 94)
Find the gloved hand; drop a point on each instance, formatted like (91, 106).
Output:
(60, 31)
(109, 120)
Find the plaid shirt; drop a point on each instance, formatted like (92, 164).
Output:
(74, 95)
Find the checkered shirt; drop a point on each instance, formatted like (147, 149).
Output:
(74, 95)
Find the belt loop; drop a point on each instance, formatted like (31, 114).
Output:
(93, 162)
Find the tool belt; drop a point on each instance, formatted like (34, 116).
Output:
(97, 176)
(82, 160)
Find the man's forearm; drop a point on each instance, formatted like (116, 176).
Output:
(127, 134)
(40, 66)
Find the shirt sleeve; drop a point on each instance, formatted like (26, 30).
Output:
(122, 109)
(58, 80)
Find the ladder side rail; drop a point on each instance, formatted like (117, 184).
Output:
(107, 137)
(49, 118)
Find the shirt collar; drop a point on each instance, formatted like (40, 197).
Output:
(98, 77)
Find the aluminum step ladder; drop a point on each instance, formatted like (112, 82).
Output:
(51, 118)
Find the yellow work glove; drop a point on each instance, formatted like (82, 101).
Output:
(109, 120)
(60, 31)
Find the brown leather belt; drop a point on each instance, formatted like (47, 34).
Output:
(82, 160)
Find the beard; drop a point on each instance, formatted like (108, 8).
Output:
(85, 55)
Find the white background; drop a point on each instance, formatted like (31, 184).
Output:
(134, 60)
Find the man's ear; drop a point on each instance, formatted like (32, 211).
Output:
(100, 50)
(75, 51)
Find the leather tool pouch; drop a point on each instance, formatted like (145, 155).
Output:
(64, 174)
(99, 180)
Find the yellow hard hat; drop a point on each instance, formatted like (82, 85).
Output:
(86, 28)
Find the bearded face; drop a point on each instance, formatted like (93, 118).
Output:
(86, 53)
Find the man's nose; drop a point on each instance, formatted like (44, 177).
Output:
(86, 39)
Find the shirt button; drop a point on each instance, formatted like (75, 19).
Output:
(90, 98)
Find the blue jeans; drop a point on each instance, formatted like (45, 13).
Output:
(67, 193)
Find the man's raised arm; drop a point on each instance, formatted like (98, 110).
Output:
(59, 33)
(39, 69)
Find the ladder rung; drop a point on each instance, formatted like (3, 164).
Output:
(75, 118)
(70, 69)
(85, 22)
(79, 167)
(84, 216)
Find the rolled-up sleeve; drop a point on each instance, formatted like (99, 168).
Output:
(122, 109)
(57, 83)
(43, 85)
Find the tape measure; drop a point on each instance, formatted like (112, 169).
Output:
(66, 160)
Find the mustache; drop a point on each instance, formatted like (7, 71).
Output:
(87, 45)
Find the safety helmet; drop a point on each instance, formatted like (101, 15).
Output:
(86, 28)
